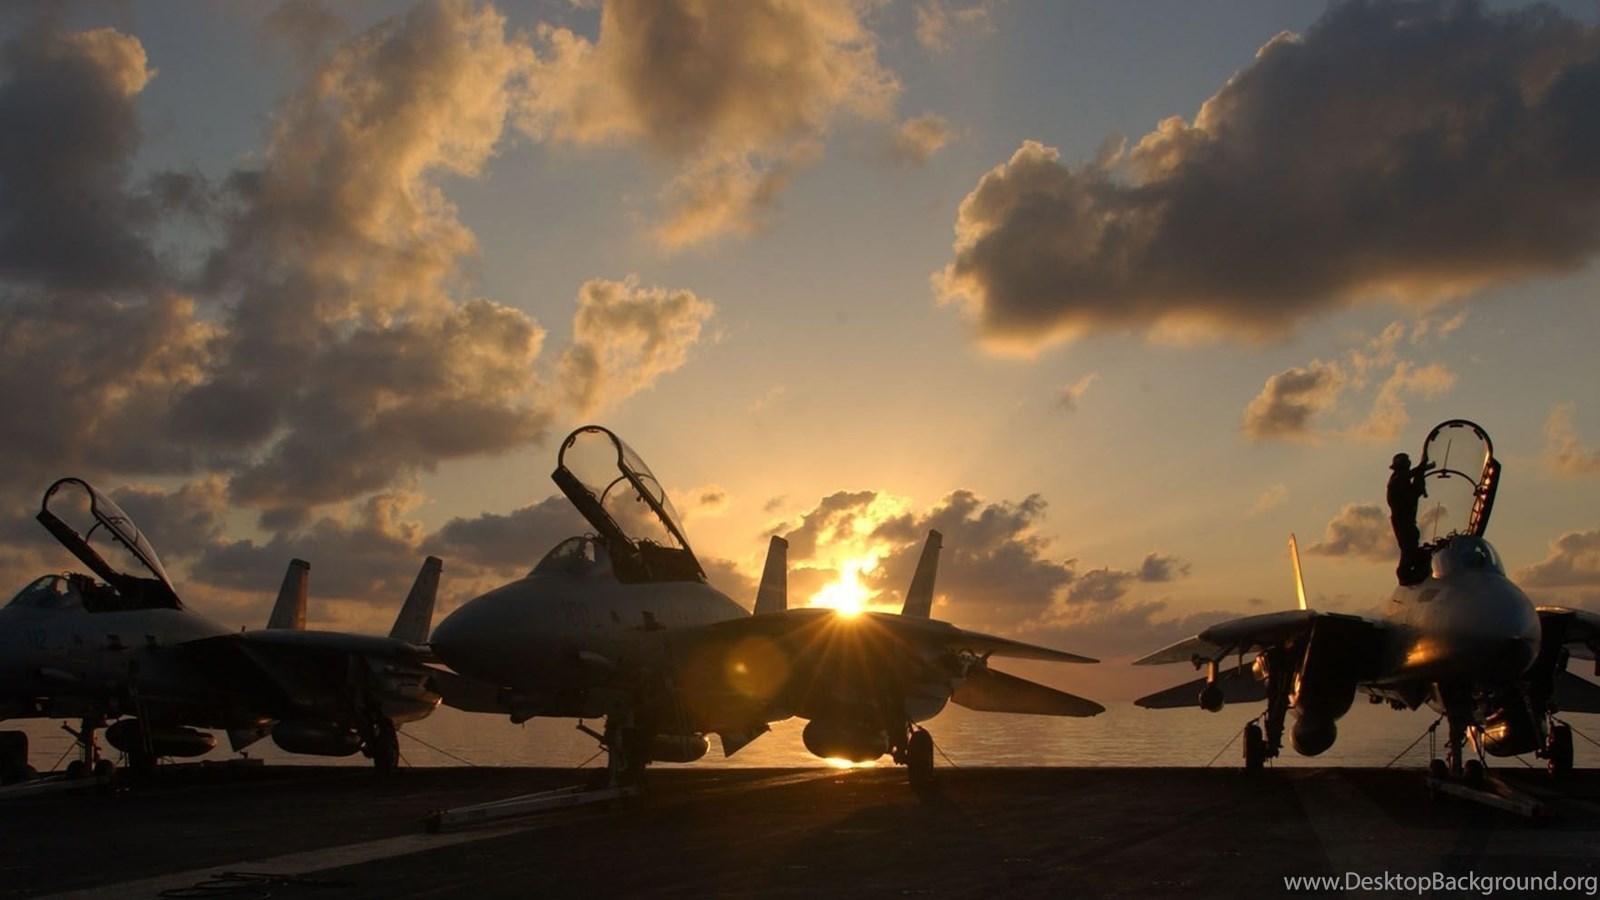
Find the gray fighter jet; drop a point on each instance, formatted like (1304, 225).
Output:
(118, 650)
(621, 624)
(1459, 637)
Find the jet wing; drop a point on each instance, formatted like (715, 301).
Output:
(1236, 636)
(780, 661)
(1578, 630)
(1574, 693)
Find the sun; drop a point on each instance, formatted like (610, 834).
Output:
(846, 593)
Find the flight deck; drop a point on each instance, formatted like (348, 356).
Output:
(337, 832)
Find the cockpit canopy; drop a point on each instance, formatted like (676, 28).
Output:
(625, 502)
(1466, 553)
(56, 593)
(73, 500)
(1461, 485)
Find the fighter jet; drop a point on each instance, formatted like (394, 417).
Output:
(118, 650)
(621, 624)
(1458, 636)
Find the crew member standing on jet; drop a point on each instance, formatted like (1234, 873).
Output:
(1406, 489)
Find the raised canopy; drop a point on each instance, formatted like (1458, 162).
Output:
(68, 498)
(1462, 484)
(625, 502)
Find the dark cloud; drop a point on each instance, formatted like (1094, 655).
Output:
(1419, 149)
(832, 519)
(1100, 587)
(509, 542)
(1359, 530)
(181, 524)
(69, 109)
(1156, 568)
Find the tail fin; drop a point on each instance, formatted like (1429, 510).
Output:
(919, 599)
(773, 595)
(416, 616)
(1299, 580)
(290, 610)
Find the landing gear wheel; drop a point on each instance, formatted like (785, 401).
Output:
(1255, 748)
(1438, 769)
(919, 757)
(103, 768)
(77, 769)
(1559, 753)
(1473, 772)
(386, 747)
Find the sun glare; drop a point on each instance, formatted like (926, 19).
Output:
(846, 593)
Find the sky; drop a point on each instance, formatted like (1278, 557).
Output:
(1115, 296)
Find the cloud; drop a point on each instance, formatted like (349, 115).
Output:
(68, 217)
(1271, 498)
(1564, 453)
(509, 542)
(1292, 402)
(1072, 394)
(1416, 150)
(1291, 399)
(1157, 567)
(738, 97)
(917, 140)
(1574, 562)
(179, 524)
(625, 337)
(939, 22)
(1359, 530)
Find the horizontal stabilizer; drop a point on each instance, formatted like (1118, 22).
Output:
(290, 610)
(416, 615)
(1237, 687)
(773, 594)
(1574, 693)
(988, 690)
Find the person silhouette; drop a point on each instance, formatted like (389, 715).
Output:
(1406, 490)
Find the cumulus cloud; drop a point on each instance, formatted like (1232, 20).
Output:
(918, 139)
(1293, 402)
(1291, 399)
(1564, 453)
(505, 543)
(68, 216)
(1157, 567)
(1574, 562)
(1359, 530)
(1418, 150)
(739, 96)
(625, 337)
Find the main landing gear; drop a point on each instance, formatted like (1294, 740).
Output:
(1557, 750)
(381, 744)
(89, 762)
(918, 757)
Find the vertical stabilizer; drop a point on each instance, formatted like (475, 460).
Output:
(290, 610)
(1299, 580)
(773, 595)
(416, 616)
(919, 599)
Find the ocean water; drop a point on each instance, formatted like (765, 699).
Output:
(1124, 735)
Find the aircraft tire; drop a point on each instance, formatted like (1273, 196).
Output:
(386, 747)
(919, 756)
(1255, 748)
(1473, 772)
(1438, 769)
(77, 769)
(1559, 754)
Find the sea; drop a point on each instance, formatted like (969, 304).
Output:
(1123, 735)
